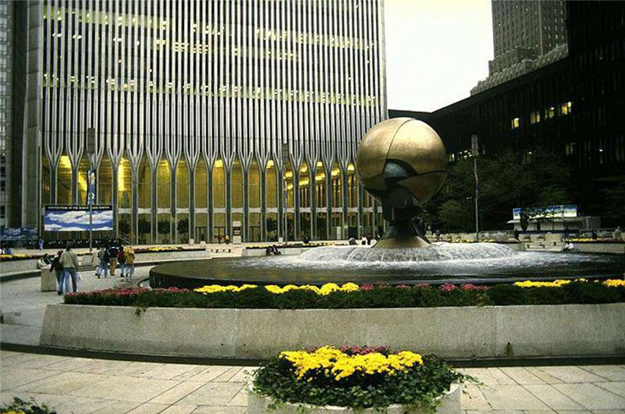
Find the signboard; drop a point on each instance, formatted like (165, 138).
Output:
(18, 233)
(236, 232)
(76, 218)
(550, 212)
(475, 149)
(91, 176)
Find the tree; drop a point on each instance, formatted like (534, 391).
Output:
(144, 227)
(455, 217)
(615, 204)
(183, 226)
(163, 227)
(504, 183)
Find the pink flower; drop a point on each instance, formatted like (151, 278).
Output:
(470, 286)
(423, 285)
(448, 287)
(367, 286)
(402, 287)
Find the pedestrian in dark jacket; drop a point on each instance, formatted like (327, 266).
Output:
(57, 268)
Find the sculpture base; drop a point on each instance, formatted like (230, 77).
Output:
(407, 242)
(402, 235)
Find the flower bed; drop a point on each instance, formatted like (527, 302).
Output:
(356, 378)
(288, 246)
(591, 240)
(352, 296)
(160, 249)
(16, 257)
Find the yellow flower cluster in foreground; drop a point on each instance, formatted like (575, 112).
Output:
(560, 283)
(323, 290)
(530, 284)
(333, 363)
(220, 288)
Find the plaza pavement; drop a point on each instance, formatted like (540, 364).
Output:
(83, 385)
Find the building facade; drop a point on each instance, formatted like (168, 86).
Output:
(573, 106)
(6, 38)
(526, 35)
(197, 115)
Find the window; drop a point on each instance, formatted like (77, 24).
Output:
(535, 117)
(565, 108)
(516, 123)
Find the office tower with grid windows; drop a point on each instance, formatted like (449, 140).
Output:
(207, 113)
(526, 35)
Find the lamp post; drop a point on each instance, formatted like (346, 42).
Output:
(91, 176)
(285, 159)
(475, 152)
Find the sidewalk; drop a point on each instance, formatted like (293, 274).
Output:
(81, 385)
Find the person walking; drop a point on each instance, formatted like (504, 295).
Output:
(121, 260)
(57, 268)
(618, 234)
(40, 244)
(129, 255)
(69, 261)
(103, 263)
(112, 250)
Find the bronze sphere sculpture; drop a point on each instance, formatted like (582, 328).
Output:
(403, 163)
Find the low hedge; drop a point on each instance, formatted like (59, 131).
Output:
(368, 296)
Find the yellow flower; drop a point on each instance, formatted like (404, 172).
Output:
(219, 288)
(614, 283)
(554, 284)
(332, 363)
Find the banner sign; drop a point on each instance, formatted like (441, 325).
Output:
(550, 212)
(76, 218)
(18, 233)
(91, 187)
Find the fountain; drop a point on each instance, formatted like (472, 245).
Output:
(403, 163)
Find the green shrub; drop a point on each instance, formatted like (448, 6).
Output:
(383, 296)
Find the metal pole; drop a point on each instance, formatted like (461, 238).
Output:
(90, 228)
(477, 216)
(475, 150)
(286, 205)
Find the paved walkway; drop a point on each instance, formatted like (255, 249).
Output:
(23, 305)
(81, 385)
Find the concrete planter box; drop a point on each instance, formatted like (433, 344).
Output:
(448, 404)
(615, 248)
(458, 333)
(18, 265)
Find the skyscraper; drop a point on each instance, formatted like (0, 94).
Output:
(207, 113)
(526, 35)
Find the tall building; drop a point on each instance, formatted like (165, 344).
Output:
(6, 32)
(526, 35)
(207, 113)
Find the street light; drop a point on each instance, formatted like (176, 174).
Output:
(91, 177)
(285, 158)
(475, 151)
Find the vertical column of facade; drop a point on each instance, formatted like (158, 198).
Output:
(32, 132)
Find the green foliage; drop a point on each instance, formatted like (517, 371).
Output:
(144, 227)
(614, 202)
(419, 386)
(183, 226)
(504, 183)
(379, 297)
(163, 227)
(27, 407)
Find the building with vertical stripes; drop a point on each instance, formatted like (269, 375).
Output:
(206, 113)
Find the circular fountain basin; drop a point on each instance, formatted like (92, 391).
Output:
(454, 263)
